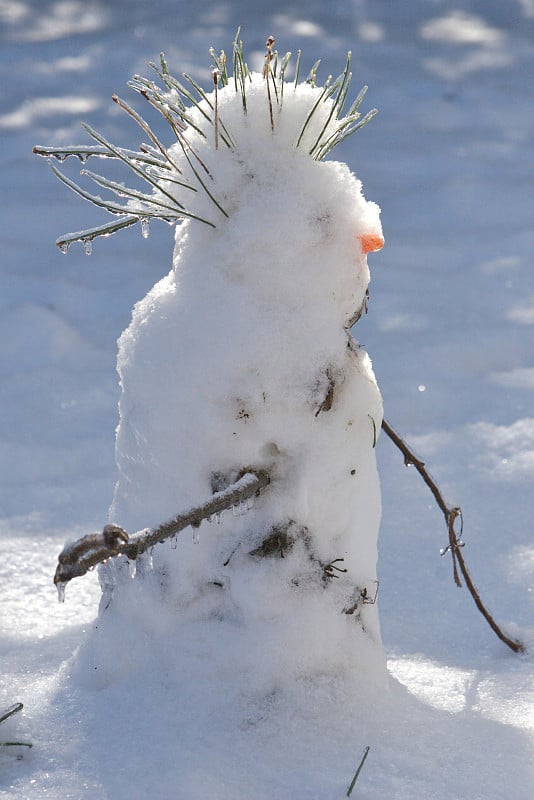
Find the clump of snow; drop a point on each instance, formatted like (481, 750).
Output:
(241, 358)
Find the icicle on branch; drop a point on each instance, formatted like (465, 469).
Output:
(84, 152)
(87, 236)
(84, 554)
(451, 514)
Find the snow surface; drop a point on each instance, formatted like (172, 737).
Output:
(450, 333)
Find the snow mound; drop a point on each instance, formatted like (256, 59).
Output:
(241, 358)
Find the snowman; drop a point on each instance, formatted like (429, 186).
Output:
(241, 358)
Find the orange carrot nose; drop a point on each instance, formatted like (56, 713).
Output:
(371, 242)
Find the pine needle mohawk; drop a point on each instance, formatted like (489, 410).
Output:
(175, 99)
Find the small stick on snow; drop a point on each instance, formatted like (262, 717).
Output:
(455, 543)
(357, 773)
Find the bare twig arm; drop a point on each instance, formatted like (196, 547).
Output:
(410, 459)
(82, 555)
(451, 514)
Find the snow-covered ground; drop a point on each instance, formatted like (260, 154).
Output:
(450, 332)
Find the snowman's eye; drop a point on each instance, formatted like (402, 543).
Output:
(371, 242)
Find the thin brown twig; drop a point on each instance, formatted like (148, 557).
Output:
(84, 554)
(455, 545)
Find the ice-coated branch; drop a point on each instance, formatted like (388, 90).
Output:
(84, 554)
(86, 236)
(84, 152)
(451, 514)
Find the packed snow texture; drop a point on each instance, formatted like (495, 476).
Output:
(450, 331)
(283, 270)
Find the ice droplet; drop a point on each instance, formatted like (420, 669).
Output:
(132, 566)
(64, 247)
(61, 591)
(219, 517)
(241, 508)
(174, 543)
(196, 535)
(145, 227)
(87, 246)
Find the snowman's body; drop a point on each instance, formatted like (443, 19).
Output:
(241, 357)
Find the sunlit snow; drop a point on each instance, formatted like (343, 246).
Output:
(447, 160)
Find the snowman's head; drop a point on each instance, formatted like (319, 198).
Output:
(247, 167)
(282, 215)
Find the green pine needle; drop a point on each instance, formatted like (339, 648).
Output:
(154, 164)
(312, 75)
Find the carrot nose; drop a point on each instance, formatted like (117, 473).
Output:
(371, 242)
